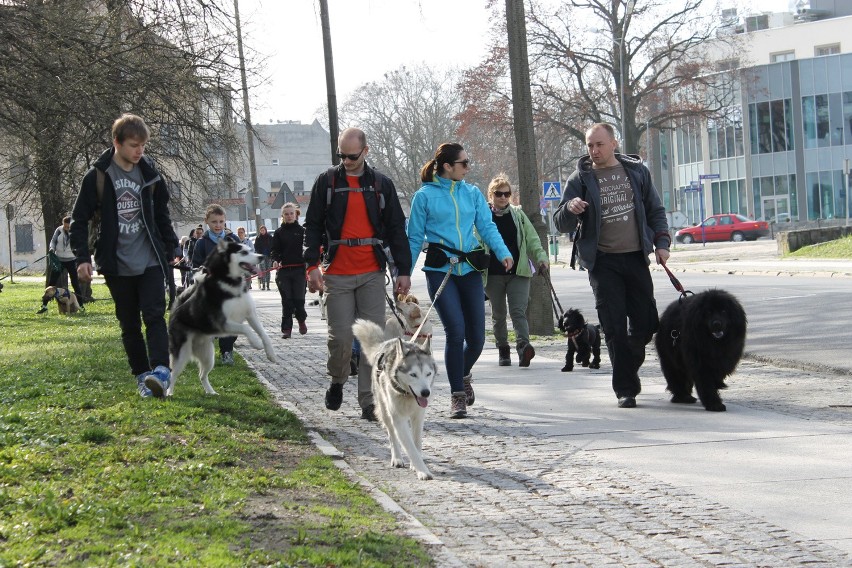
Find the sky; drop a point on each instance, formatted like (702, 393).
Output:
(287, 33)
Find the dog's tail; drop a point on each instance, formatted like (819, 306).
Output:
(371, 335)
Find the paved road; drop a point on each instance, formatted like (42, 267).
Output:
(548, 472)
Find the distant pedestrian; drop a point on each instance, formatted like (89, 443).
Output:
(60, 246)
(290, 265)
(263, 247)
(134, 247)
(623, 221)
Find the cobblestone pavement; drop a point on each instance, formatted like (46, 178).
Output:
(504, 494)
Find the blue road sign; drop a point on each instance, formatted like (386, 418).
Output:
(708, 176)
(552, 190)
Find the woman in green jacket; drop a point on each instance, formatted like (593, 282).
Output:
(512, 285)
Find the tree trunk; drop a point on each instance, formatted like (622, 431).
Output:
(538, 312)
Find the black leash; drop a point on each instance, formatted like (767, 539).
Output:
(554, 300)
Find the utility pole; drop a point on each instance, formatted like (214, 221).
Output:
(333, 127)
(255, 201)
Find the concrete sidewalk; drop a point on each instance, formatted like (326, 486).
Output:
(547, 471)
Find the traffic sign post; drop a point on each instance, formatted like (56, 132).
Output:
(551, 190)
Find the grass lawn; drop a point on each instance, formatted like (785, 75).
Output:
(839, 248)
(91, 474)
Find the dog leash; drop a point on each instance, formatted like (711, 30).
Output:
(453, 262)
(554, 300)
(675, 282)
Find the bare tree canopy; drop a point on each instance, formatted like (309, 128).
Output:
(406, 115)
(70, 67)
(586, 54)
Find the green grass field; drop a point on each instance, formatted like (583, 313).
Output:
(840, 248)
(91, 474)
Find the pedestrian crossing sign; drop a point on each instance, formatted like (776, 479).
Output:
(552, 190)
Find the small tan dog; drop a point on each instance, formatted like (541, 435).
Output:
(408, 309)
(66, 302)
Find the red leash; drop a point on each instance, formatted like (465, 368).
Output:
(675, 282)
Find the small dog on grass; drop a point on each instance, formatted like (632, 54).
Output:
(66, 301)
(408, 309)
(584, 340)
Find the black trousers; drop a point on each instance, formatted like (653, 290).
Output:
(624, 299)
(291, 285)
(142, 299)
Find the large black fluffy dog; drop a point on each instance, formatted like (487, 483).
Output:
(584, 339)
(700, 342)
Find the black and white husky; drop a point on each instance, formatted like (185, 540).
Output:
(217, 304)
(403, 373)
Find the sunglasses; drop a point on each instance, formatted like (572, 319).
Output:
(464, 163)
(503, 194)
(352, 157)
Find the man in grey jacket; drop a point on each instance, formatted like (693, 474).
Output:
(622, 221)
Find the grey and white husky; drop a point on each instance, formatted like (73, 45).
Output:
(403, 373)
(217, 304)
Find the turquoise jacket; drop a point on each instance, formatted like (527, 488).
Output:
(529, 244)
(447, 212)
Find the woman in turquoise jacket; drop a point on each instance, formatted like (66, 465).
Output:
(449, 212)
(512, 285)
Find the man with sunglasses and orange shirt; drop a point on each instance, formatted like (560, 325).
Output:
(353, 217)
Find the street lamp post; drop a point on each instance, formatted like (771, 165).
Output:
(627, 11)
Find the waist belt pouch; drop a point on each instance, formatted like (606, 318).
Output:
(435, 257)
(479, 259)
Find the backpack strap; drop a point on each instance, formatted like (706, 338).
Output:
(376, 188)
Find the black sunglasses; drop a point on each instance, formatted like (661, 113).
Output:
(465, 163)
(503, 193)
(352, 157)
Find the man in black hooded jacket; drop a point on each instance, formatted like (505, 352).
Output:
(623, 221)
(134, 247)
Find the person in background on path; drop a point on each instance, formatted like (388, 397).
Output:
(622, 222)
(445, 211)
(188, 251)
(512, 285)
(133, 250)
(290, 265)
(60, 245)
(241, 236)
(263, 247)
(215, 219)
(358, 210)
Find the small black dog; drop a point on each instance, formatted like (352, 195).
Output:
(584, 339)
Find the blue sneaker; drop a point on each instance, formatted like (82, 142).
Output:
(158, 381)
(144, 391)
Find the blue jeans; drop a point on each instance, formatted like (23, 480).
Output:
(141, 299)
(624, 298)
(461, 307)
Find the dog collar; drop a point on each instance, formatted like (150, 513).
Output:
(420, 336)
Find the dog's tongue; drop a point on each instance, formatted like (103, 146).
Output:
(422, 401)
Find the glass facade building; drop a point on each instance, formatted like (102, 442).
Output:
(781, 151)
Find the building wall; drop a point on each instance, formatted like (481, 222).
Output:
(289, 156)
(781, 152)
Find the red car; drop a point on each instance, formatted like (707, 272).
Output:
(724, 227)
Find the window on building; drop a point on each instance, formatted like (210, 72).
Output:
(815, 118)
(24, 238)
(756, 23)
(782, 56)
(728, 196)
(726, 134)
(771, 126)
(169, 139)
(299, 187)
(689, 143)
(274, 161)
(823, 50)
